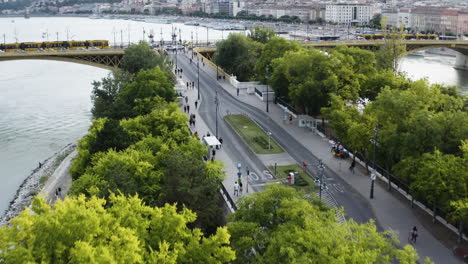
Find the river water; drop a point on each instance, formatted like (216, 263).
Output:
(45, 105)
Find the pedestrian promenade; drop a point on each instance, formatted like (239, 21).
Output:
(391, 212)
(230, 167)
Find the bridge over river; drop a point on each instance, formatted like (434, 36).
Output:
(103, 58)
(411, 46)
(110, 58)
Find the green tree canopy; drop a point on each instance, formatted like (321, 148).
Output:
(238, 55)
(141, 57)
(106, 91)
(276, 47)
(147, 84)
(262, 35)
(392, 50)
(80, 230)
(279, 225)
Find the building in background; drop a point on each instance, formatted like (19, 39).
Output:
(349, 13)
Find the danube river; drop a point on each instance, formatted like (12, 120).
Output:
(45, 105)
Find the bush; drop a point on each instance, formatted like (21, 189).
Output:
(261, 141)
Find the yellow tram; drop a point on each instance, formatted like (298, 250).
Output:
(55, 45)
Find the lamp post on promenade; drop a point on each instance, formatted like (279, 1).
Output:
(321, 171)
(198, 77)
(267, 75)
(374, 171)
(216, 107)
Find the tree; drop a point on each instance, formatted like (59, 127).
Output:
(147, 84)
(83, 158)
(80, 230)
(141, 57)
(130, 172)
(191, 183)
(238, 55)
(279, 225)
(392, 50)
(105, 93)
(375, 22)
(372, 86)
(262, 35)
(307, 77)
(436, 177)
(276, 47)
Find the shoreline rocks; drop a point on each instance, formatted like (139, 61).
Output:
(33, 184)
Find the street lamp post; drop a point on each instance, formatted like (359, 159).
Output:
(374, 171)
(198, 77)
(267, 75)
(191, 43)
(321, 171)
(269, 140)
(216, 106)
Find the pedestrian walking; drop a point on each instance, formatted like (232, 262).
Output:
(185, 108)
(241, 188)
(236, 189)
(193, 84)
(290, 118)
(196, 104)
(188, 108)
(187, 85)
(220, 141)
(414, 234)
(213, 152)
(186, 99)
(208, 134)
(353, 164)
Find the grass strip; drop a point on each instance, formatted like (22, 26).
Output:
(253, 135)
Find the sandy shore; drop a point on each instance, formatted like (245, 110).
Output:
(54, 174)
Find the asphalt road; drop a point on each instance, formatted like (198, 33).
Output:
(356, 207)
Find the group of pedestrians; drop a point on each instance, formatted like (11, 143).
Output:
(238, 188)
(192, 120)
(58, 193)
(190, 85)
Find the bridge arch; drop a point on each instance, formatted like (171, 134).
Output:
(106, 59)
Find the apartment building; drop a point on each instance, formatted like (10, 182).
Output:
(397, 17)
(349, 13)
(304, 12)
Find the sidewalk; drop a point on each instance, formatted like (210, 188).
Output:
(391, 212)
(230, 167)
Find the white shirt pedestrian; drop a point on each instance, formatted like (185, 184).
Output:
(236, 189)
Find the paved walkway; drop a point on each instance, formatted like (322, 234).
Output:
(230, 167)
(391, 212)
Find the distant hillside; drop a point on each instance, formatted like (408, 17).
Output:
(21, 4)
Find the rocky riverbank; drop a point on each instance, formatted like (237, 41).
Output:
(33, 184)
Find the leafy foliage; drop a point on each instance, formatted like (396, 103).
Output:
(105, 93)
(278, 225)
(238, 55)
(276, 47)
(141, 57)
(81, 230)
(262, 35)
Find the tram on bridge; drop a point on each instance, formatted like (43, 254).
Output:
(55, 45)
(378, 36)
